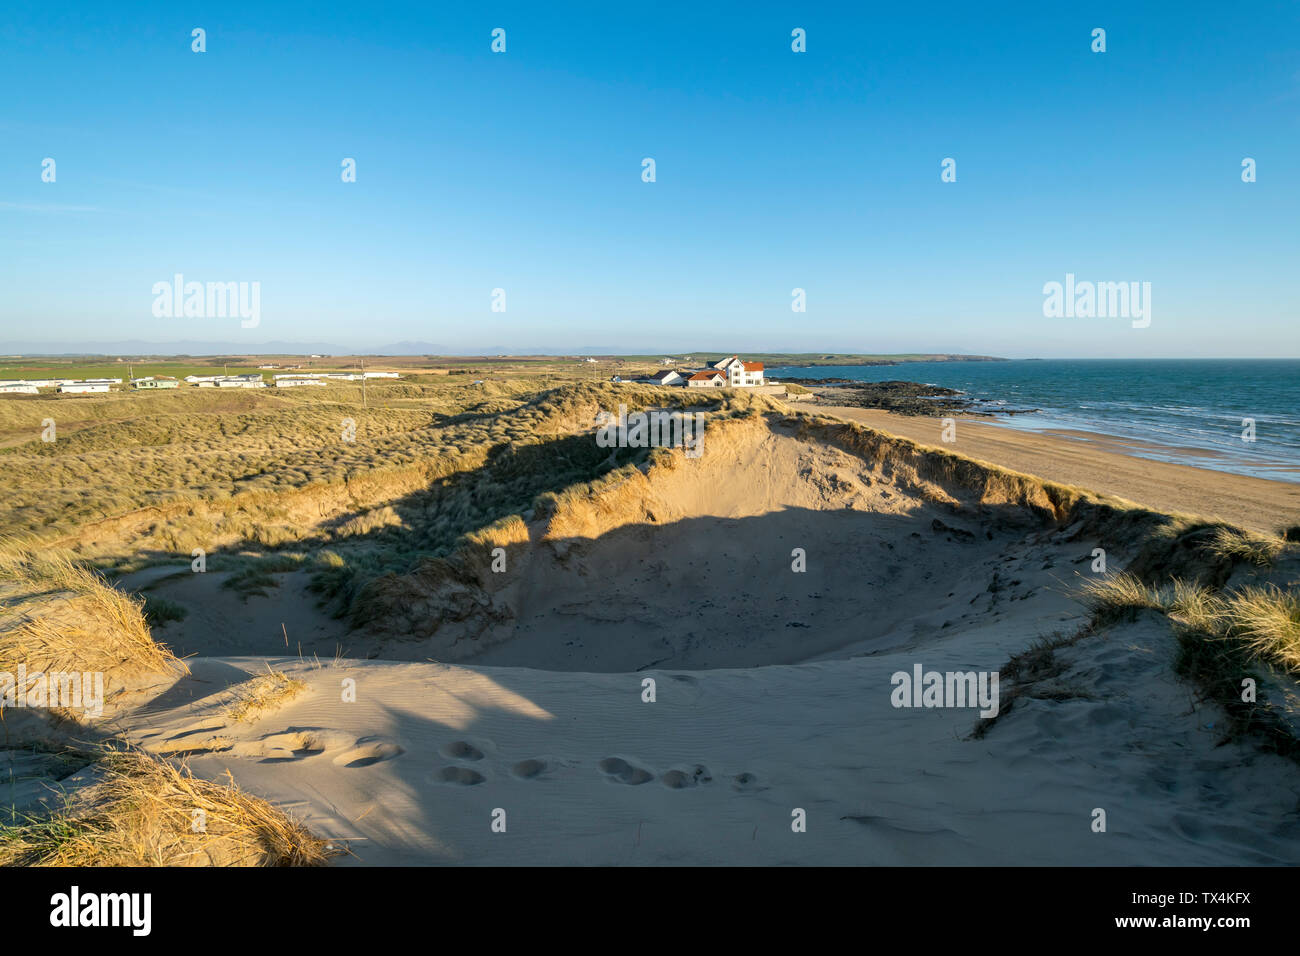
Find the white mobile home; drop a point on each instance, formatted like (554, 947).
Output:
(79, 388)
(284, 381)
(162, 381)
(35, 382)
(240, 383)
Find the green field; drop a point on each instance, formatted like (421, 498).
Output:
(40, 368)
(108, 368)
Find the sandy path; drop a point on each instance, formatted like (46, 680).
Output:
(1250, 502)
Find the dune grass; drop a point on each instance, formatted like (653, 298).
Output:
(1116, 597)
(1224, 636)
(263, 693)
(1267, 622)
(159, 610)
(148, 812)
(63, 616)
(1264, 621)
(1260, 550)
(255, 574)
(268, 471)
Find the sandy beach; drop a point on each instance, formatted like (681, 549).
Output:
(1102, 464)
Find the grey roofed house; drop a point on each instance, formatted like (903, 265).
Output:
(667, 377)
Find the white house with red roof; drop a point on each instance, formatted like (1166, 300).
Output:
(709, 378)
(731, 372)
(740, 374)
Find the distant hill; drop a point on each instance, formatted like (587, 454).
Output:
(135, 347)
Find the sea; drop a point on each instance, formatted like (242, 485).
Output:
(1192, 411)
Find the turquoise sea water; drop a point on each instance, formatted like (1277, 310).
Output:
(1185, 410)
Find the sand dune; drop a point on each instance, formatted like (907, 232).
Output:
(588, 773)
(772, 687)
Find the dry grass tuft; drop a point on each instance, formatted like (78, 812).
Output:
(264, 692)
(1267, 621)
(1192, 606)
(1262, 621)
(80, 622)
(1116, 597)
(1252, 547)
(147, 812)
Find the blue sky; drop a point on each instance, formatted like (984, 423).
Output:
(775, 170)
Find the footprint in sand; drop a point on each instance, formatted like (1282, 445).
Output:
(295, 743)
(618, 770)
(276, 748)
(206, 727)
(368, 750)
(461, 750)
(530, 769)
(193, 745)
(194, 748)
(459, 776)
(682, 779)
(746, 783)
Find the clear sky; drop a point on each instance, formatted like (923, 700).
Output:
(774, 170)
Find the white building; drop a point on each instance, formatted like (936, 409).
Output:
(295, 382)
(18, 388)
(239, 383)
(78, 388)
(382, 375)
(741, 374)
(667, 377)
(152, 382)
(709, 378)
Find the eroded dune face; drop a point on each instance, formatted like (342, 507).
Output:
(772, 547)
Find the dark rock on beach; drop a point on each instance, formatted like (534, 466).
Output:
(904, 398)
